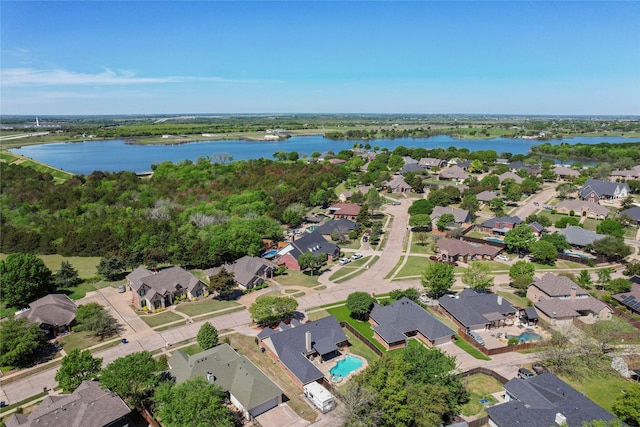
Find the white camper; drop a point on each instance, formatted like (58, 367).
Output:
(319, 396)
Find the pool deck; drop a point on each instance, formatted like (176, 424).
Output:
(492, 341)
(326, 366)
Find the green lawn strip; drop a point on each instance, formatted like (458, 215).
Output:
(80, 339)
(470, 349)
(480, 386)
(357, 347)
(602, 388)
(514, 299)
(22, 402)
(86, 266)
(418, 248)
(320, 288)
(350, 244)
(357, 272)
(191, 349)
(318, 314)
(414, 267)
(397, 266)
(196, 308)
(155, 320)
(106, 345)
(298, 294)
(343, 314)
(214, 314)
(298, 278)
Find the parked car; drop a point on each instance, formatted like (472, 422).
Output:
(524, 373)
(455, 264)
(476, 337)
(503, 258)
(356, 256)
(344, 261)
(365, 239)
(536, 204)
(395, 203)
(121, 289)
(433, 258)
(539, 369)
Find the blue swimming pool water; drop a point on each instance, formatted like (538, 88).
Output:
(525, 336)
(345, 366)
(577, 255)
(493, 239)
(270, 254)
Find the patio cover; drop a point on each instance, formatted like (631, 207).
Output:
(492, 317)
(325, 346)
(531, 313)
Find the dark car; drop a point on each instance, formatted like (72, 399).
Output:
(525, 373)
(433, 258)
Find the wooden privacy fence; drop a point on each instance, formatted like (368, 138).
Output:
(362, 338)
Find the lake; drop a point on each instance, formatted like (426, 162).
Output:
(116, 155)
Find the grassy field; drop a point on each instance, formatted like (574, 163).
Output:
(414, 267)
(395, 268)
(602, 388)
(480, 386)
(155, 320)
(470, 349)
(86, 266)
(297, 278)
(349, 268)
(195, 308)
(357, 347)
(81, 340)
(343, 314)
(514, 299)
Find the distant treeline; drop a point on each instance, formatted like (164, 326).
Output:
(604, 152)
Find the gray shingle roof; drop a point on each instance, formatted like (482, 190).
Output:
(290, 346)
(341, 225)
(601, 188)
(557, 286)
(164, 280)
(234, 373)
(404, 316)
(502, 222)
(52, 309)
(633, 213)
(579, 236)
(539, 399)
(312, 242)
(486, 196)
(471, 307)
(88, 406)
(460, 215)
(246, 269)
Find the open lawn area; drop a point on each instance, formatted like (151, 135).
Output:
(601, 387)
(81, 340)
(86, 266)
(155, 320)
(469, 348)
(414, 267)
(298, 278)
(514, 299)
(418, 248)
(480, 386)
(350, 268)
(196, 308)
(344, 315)
(359, 348)
(246, 346)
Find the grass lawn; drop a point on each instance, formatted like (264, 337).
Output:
(414, 267)
(195, 308)
(320, 314)
(343, 314)
(191, 349)
(470, 349)
(359, 348)
(418, 248)
(81, 340)
(514, 299)
(395, 268)
(349, 268)
(297, 278)
(350, 244)
(602, 388)
(86, 266)
(247, 347)
(480, 386)
(154, 320)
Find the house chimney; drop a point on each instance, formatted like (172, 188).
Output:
(573, 292)
(307, 341)
(499, 299)
(561, 420)
(210, 377)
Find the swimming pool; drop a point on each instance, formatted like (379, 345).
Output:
(270, 254)
(525, 337)
(312, 228)
(345, 366)
(573, 254)
(493, 239)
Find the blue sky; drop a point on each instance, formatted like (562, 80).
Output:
(491, 57)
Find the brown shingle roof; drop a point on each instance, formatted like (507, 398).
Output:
(557, 286)
(350, 209)
(53, 309)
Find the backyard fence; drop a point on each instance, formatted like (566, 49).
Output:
(362, 338)
(485, 371)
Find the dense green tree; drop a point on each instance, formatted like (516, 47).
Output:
(557, 240)
(66, 276)
(584, 279)
(521, 274)
(410, 293)
(207, 336)
(565, 189)
(222, 284)
(20, 342)
(438, 278)
(544, 252)
(194, 402)
(610, 246)
(445, 221)
(478, 276)
(421, 206)
(152, 258)
(310, 261)
(471, 204)
(360, 304)
(23, 279)
(610, 227)
(133, 377)
(111, 268)
(267, 309)
(374, 200)
(94, 318)
(420, 221)
(626, 406)
(75, 367)
(519, 238)
(567, 220)
(497, 206)
(293, 214)
(604, 277)
(619, 285)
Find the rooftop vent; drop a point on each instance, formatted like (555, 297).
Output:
(560, 419)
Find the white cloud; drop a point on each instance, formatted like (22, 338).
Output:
(13, 77)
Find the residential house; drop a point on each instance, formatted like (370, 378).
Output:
(336, 161)
(411, 167)
(398, 185)
(542, 401)
(294, 347)
(461, 216)
(345, 196)
(459, 250)
(625, 175)
(248, 271)
(559, 300)
(582, 208)
(430, 163)
(631, 299)
(633, 213)
(579, 237)
(454, 173)
(342, 226)
(344, 210)
(500, 226)
(393, 324)
(159, 290)
(88, 406)
(473, 311)
(409, 160)
(565, 173)
(310, 242)
(510, 175)
(516, 166)
(486, 196)
(595, 190)
(250, 390)
(537, 228)
(54, 313)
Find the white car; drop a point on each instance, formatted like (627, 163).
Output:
(344, 261)
(356, 256)
(503, 257)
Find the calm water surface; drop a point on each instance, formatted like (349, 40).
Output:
(115, 155)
